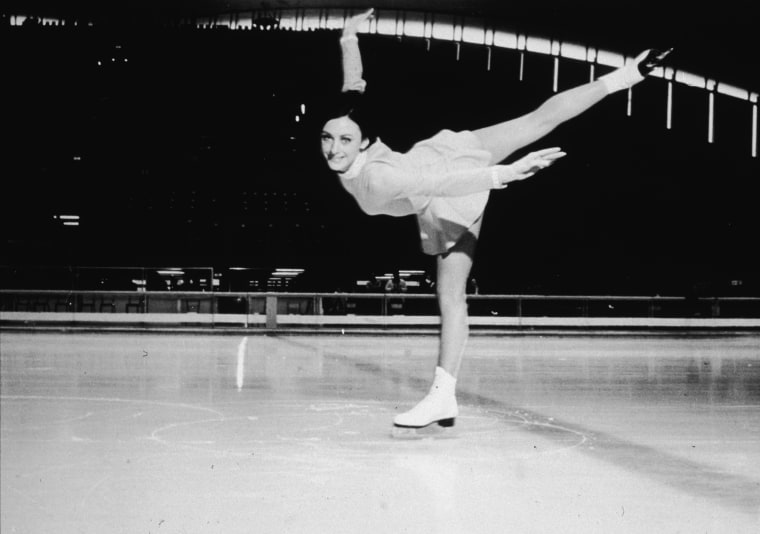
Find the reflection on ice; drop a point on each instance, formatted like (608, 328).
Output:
(218, 433)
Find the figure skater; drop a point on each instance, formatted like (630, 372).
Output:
(445, 181)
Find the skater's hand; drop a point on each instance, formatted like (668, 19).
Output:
(527, 166)
(352, 24)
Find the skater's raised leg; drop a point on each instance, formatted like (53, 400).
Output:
(504, 138)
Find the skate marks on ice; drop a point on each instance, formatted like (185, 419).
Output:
(483, 421)
(687, 476)
(238, 427)
(481, 425)
(358, 425)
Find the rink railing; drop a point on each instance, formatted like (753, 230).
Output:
(373, 311)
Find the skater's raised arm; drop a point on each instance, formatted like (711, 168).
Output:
(351, 56)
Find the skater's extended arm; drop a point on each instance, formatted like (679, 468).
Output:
(351, 56)
(386, 181)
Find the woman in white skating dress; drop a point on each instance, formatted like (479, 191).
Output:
(445, 182)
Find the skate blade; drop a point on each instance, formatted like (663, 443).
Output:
(442, 428)
(653, 60)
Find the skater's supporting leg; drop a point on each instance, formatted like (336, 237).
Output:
(440, 404)
(453, 273)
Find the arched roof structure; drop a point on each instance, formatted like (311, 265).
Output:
(579, 31)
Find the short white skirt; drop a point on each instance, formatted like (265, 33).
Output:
(444, 220)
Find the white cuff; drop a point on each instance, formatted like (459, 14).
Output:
(346, 38)
(495, 178)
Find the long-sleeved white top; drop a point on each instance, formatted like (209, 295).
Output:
(387, 182)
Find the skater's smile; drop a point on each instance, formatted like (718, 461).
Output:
(342, 142)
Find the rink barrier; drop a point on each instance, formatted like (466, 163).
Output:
(273, 312)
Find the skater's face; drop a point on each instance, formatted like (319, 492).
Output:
(341, 142)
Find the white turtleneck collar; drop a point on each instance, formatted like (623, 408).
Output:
(356, 167)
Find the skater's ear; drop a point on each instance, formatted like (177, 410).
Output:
(365, 144)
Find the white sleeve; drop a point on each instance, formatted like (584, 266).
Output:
(352, 64)
(392, 183)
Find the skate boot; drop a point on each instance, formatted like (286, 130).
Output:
(438, 406)
(635, 71)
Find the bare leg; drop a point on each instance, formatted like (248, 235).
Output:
(453, 271)
(440, 404)
(504, 138)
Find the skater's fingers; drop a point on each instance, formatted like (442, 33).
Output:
(361, 17)
(545, 160)
(546, 151)
(551, 158)
(352, 25)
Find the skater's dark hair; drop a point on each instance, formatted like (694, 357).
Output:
(352, 104)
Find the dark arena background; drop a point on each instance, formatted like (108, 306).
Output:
(187, 136)
(201, 332)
